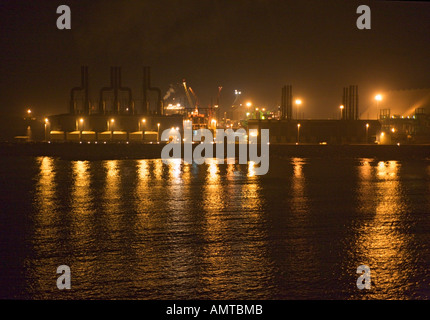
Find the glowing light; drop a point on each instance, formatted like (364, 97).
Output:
(247, 114)
(251, 169)
(367, 125)
(143, 120)
(112, 120)
(248, 104)
(298, 102)
(81, 120)
(378, 97)
(341, 107)
(29, 111)
(393, 130)
(298, 125)
(46, 120)
(382, 134)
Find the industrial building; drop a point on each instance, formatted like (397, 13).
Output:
(319, 131)
(115, 119)
(388, 129)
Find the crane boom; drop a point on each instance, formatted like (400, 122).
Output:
(190, 102)
(195, 97)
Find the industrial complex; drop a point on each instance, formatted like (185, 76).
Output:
(115, 118)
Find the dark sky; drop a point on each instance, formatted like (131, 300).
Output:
(253, 45)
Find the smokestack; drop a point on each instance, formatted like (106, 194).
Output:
(283, 103)
(345, 102)
(350, 103)
(289, 102)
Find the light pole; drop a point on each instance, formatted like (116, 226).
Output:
(341, 111)
(46, 126)
(298, 133)
(81, 121)
(367, 133)
(110, 123)
(298, 103)
(248, 105)
(158, 132)
(378, 99)
(140, 122)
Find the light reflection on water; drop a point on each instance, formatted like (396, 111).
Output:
(385, 239)
(148, 230)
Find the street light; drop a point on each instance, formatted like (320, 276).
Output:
(298, 103)
(81, 121)
(367, 133)
(143, 121)
(378, 99)
(158, 132)
(341, 111)
(112, 121)
(298, 133)
(46, 125)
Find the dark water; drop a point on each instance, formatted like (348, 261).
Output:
(141, 229)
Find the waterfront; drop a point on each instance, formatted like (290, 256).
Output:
(140, 229)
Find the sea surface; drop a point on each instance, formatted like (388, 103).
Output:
(141, 229)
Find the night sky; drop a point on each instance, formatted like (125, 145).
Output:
(255, 46)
